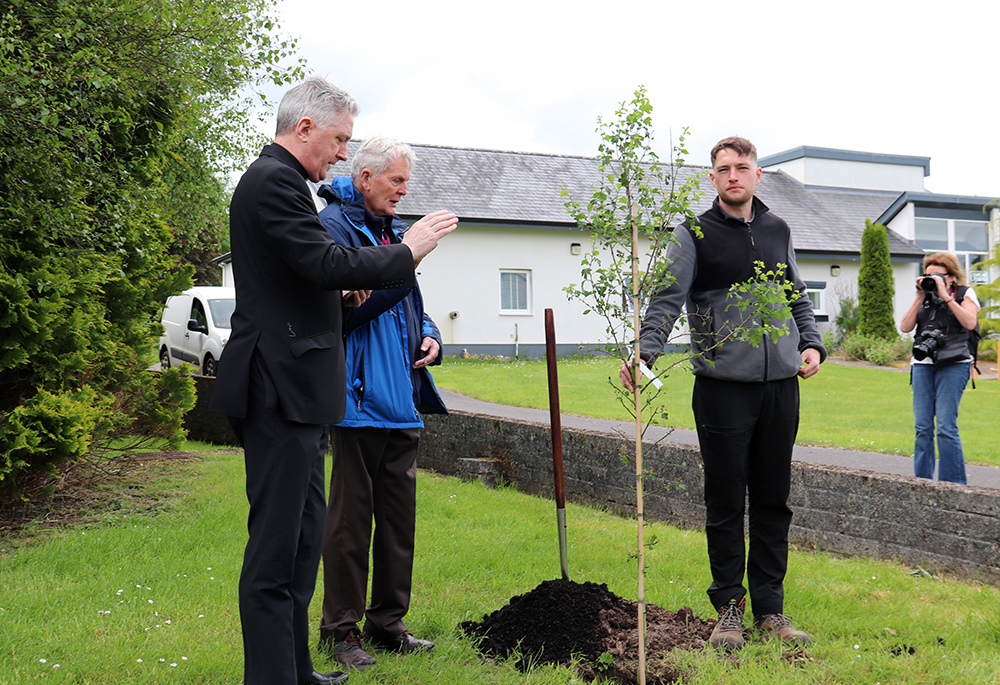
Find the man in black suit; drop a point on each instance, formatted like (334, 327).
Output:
(282, 377)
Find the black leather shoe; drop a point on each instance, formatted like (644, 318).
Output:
(404, 643)
(335, 678)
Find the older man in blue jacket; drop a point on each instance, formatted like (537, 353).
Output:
(281, 380)
(389, 343)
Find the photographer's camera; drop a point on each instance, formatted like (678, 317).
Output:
(928, 284)
(927, 343)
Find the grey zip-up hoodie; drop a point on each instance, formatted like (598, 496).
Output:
(705, 268)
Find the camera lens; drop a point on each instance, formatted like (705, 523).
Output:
(926, 344)
(928, 284)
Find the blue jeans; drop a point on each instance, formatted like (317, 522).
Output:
(937, 390)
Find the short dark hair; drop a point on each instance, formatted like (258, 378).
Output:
(739, 145)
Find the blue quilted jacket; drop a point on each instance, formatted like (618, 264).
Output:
(382, 336)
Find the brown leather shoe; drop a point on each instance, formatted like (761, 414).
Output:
(778, 626)
(404, 643)
(728, 632)
(349, 653)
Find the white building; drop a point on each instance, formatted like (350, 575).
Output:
(487, 284)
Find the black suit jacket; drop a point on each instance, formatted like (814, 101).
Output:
(289, 274)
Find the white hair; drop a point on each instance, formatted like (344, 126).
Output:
(376, 154)
(316, 98)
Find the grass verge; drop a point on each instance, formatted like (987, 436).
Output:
(142, 597)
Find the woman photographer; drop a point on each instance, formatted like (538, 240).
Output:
(943, 312)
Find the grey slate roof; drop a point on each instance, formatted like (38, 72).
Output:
(829, 220)
(523, 188)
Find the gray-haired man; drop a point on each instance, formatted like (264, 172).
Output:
(390, 341)
(281, 379)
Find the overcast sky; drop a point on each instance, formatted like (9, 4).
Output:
(915, 78)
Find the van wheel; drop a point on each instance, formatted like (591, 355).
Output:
(164, 359)
(210, 366)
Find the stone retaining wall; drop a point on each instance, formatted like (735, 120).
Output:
(938, 526)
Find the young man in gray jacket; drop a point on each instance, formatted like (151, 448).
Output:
(746, 398)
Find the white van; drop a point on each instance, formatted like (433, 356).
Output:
(196, 327)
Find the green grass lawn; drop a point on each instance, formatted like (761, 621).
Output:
(149, 597)
(862, 408)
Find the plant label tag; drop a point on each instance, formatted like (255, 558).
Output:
(657, 383)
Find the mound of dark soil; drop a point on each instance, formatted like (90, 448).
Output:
(561, 620)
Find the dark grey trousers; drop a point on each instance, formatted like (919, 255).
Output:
(374, 478)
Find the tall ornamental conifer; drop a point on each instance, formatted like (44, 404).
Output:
(875, 287)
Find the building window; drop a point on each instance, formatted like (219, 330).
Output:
(515, 289)
(972, 236)
(816, 292)
(931, 234)
(627, 308)
(968, 240)
(816, 297)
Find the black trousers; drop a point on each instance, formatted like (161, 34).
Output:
(284, 466)
(374, 477)
(746, 432)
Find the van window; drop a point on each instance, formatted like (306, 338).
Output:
(222, 312)
(198, 312)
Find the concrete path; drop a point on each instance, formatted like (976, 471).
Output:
(982, 476)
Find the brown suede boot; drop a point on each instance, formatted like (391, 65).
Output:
(728, 632)
(351, 654)
(778, 626)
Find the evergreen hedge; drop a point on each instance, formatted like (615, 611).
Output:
(112, 114)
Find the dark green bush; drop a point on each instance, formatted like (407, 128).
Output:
(111, 116)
